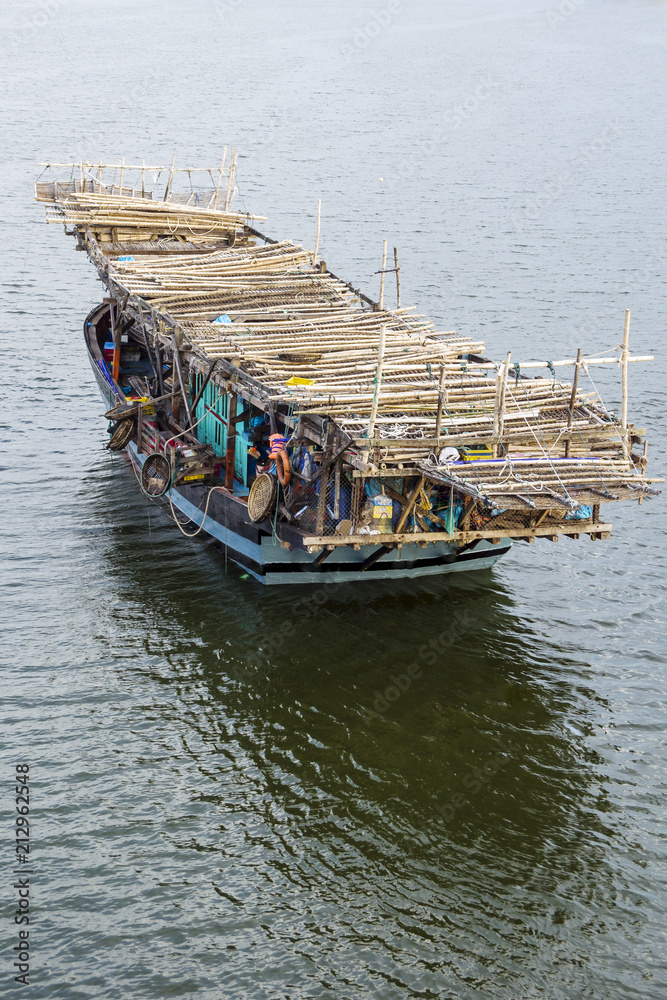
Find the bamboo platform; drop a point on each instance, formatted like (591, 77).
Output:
(382, 387)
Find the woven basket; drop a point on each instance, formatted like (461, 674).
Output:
(121, 436)
(262, 497)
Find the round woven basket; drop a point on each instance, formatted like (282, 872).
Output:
(155, 475)
(262, 497)
(121, 436)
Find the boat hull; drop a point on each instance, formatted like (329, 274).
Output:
(267, 558)
(277, 559)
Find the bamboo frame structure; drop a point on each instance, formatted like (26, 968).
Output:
(205, 285)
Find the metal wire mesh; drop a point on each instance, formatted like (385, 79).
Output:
(325, 507)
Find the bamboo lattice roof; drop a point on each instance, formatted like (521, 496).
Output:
(282, 316)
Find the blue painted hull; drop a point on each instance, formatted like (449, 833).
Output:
(271, 564)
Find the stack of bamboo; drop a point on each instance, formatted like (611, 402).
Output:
(399, 388)
(136, 219)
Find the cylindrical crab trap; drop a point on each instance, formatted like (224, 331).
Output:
(156, 475)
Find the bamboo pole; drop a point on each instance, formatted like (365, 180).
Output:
(378, 380)
(565, 363)
(405, 513)
(317, 232)
(206, 379)
(501, 415)
(496, 411)
(624, 372)
(398, 278)
(217, 186)
(230, 179)
(573, 397)
(122, 172)
(171, 174)
(384, 266)
(441, 403)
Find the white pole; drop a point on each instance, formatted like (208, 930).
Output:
(624, 372)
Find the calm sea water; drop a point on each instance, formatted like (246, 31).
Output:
(213, 818)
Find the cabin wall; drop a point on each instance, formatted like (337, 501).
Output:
(213, 412)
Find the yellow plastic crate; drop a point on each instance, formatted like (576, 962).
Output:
(476, 453)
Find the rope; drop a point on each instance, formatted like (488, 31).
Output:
(479, 483)
(191, 534)
(190, 429)
(542, 446)
(626, 450)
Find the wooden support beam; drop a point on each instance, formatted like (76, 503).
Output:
(202, 387)
(230, 179)
(324, 477)
(230, 451)
(460, 537)
(541, 517)
(405, 513)
(384, 267)
(171, 174)
(398, 278)
(374, 557)
(465, 513)
(181, 382)
(217, 186)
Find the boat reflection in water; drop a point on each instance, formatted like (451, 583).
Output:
(430, 844)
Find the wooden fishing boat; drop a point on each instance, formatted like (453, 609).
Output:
(315, 433)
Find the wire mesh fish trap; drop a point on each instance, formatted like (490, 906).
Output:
(156, 475)
(325, 506)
